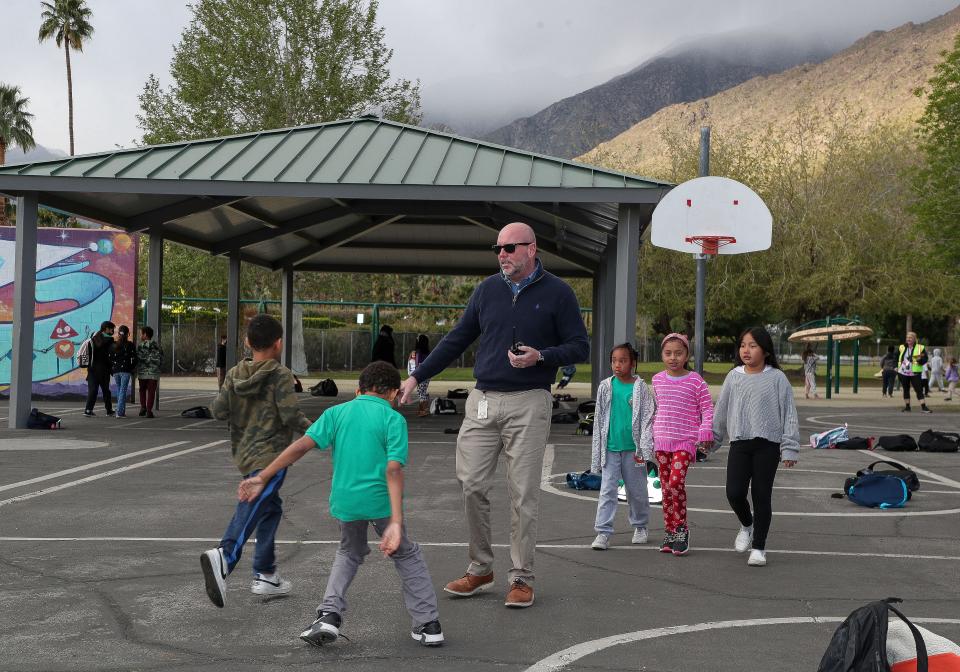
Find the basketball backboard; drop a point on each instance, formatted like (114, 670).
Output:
(710, 207)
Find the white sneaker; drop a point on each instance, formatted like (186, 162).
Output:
(639, 536)
(270, 584)
(215, 572)
(601, 543)
(744, 539)
(757, 558)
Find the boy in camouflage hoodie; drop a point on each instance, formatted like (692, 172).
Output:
(258, 402)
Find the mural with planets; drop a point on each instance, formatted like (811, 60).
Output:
(84, 277)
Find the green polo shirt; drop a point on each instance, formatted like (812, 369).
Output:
(620, 432)
(363, 434)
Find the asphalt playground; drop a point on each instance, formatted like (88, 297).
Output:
(102, 525)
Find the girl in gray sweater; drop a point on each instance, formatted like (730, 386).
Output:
(756, 412)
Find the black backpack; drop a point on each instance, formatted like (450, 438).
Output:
(458, 393)
(565, 418)
(440, 406)
(587, 407)
(898, 442)
(40, 420)
(932, 441)
(325, 388)
(909, 476)
(196, 412)
(585, 428)
(854, 443)
(860, 643)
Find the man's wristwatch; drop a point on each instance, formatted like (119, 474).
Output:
(540, 359)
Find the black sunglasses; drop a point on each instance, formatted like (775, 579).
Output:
(509, 247)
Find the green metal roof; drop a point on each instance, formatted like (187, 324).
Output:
(369, 151)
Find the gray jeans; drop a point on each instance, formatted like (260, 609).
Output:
(419, 597)
(517, 425)
(622, 465)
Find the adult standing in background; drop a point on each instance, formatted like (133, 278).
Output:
(909, 369)
(888, 369)
(810, 360)
(383, 347)
(529, 324)
(221, 360)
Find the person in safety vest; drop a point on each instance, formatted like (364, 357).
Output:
(909, 367)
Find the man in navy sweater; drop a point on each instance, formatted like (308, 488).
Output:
(510, 408)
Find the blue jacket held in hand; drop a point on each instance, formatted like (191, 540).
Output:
(544, 315)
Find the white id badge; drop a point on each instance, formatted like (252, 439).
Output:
(482, 409)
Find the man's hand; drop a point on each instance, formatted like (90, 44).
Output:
(528, 357)
(406, 390)
(390, 541)
(789, 463)
(250, 488)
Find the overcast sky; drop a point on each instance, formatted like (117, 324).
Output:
(511, 56)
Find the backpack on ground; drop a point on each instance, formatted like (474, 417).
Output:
(40, 420)
(898, 442)
(196, 412)
(860, 643)
(855, 443)
(564, 397)
(886, 489)
(85, 353)
(565, 418)
(325, 388)
(440, 406)
(458, 393)
(585, 427)
(932, 441)
(587, 407)
(585, 481)
(829, 438)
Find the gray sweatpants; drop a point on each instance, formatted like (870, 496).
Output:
(419, 597)
(622, 465)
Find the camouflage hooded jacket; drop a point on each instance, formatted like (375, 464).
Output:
(258, 402)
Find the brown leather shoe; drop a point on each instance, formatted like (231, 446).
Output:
(520, 595)
(469, 585)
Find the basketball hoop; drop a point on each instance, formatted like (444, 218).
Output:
(710, 244)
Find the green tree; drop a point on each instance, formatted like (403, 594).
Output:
(15, 130)
(68, 23)
(247, 65)
(937, 181)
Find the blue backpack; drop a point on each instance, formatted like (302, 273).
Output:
(888, 489)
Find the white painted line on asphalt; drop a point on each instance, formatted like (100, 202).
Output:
(79, 411)
(91, 465)
(562, 659)
(196, 424)
(943, 480)
(816, 419)
(94, 477)
(460, 544)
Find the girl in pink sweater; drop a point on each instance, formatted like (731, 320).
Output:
(682, 424)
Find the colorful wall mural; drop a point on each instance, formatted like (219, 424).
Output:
(84, 277)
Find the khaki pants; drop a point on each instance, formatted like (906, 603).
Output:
(518, 424)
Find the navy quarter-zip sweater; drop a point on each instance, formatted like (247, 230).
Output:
(546, 316)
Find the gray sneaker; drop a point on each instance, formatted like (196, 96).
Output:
(640, 536)
(601, 543)
(270, 584)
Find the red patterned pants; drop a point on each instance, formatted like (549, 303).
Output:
(673, 475)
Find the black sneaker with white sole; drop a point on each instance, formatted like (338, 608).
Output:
(324, 630)
(428, 634)
(89, 414)
(215, 572)
(681, 543)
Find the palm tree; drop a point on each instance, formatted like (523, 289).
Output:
(68, 22)
(15, 129)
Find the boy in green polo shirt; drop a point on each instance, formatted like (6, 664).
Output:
(368, 439)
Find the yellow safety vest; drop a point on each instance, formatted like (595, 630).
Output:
(915, 366)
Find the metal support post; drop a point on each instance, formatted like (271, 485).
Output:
(625, 275)
(155, 294)
(286, 306)
(700, 309)
(829, 364)
(836, 366)
(856, 366)
(233, 309)
(24, 301)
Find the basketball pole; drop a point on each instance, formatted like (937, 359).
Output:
(700, 311)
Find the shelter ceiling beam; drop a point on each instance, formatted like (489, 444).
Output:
(278, 229)
(419, 270)
(173, 211)
(82, 209)
(418, 208)
(575, 215)
(333, 240)
(545, 244)
(549, 229)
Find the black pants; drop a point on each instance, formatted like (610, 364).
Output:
(752, 465)
(906, 382)
(889, 376)
(94, 383)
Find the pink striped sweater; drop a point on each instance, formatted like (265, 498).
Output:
(684, 414)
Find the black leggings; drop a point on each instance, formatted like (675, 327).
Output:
(906, 382)
(888, 379)
(95, 384)
(752, 464)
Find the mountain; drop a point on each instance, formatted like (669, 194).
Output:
(875, 78)
(38, 153)
(688, 71)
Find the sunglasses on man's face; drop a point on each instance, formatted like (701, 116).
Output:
(509, 248)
